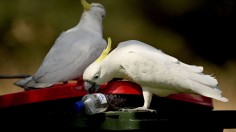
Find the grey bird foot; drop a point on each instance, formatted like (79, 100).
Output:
(138, 109)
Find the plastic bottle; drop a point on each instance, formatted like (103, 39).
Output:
(92, 103)
(99, 102)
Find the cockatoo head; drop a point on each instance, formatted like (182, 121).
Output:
(92, 74)
(95, 9)
(92, 78)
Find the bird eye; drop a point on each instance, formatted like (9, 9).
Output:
(96, 76)
(102, 16)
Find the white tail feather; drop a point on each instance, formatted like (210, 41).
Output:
(212, 92)
(198, 82)
(23, 82)
(203, 79)
(193, 68)
(30, 83)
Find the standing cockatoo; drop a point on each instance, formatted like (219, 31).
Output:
(156, 72)
(73, 50)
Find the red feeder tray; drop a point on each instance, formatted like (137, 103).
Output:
(70, 90)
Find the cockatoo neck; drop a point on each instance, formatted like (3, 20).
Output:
(90, 22)
(109, 71)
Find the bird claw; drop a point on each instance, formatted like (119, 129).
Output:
(138, 109)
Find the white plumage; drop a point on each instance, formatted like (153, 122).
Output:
(156, 72)
(72, 52)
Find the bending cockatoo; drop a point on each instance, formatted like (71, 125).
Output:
(73, 50)
(156, 72)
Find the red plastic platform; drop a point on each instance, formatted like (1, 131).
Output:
(70, 90)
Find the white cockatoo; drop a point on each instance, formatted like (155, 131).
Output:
(73, 50)
(156, 72)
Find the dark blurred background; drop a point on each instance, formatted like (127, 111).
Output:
(199, 32)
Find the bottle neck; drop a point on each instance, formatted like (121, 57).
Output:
(78, 106)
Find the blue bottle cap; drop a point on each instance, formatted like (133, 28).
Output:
(78, 106)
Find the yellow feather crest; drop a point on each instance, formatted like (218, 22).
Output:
(85, 5)
(105, 51)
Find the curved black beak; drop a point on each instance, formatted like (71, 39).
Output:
(91, 87)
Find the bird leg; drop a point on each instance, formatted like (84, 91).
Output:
(147, 96)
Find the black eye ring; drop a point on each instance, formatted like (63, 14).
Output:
(96, 77)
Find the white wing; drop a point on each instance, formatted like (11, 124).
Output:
(69, 56)
(152, 68)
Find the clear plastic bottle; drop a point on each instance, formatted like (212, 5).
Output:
(92, 103)
(99, 102)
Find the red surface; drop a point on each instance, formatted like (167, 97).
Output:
(70, 90)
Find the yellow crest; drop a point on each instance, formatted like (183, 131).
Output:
(85, 5)
(105, 51)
